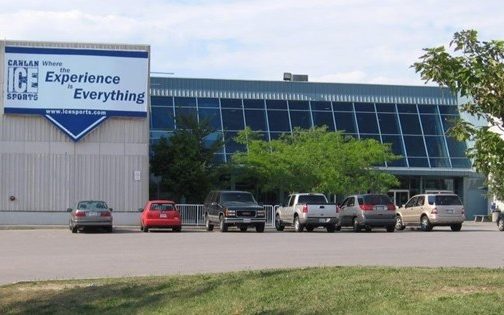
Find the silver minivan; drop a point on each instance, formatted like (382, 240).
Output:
(429, 210)
(368, 211)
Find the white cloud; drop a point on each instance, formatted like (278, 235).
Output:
(344, 41)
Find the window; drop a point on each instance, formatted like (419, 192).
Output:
(410, 124)
(323, 119)
(186, 112)
(279, 120)
(388, 123)
(232, 119)
(418, 162)
(231, 103)
(420, 201)
(300, 119)
(343, 107)
(256, 119)
(439, 162)
(414, 146)
(161, 101)
(231, 145)
(456, 148)
(407, 108)
(345, 122)
(185, 102)
(411, 202)
(385, 108)
(431, 125)
(351, 201)
(436, 146)
(299, 105)
(428, 109)
(208, 102)
(258, 104)
(461, 163)
(276, 104)
(319, 105)
(364, 107)
(367, 122)
(448, 121)
(162, 118)
(162, 207)
(449, 109)
(212, 115)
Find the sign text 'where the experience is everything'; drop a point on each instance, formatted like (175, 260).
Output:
(76, 89)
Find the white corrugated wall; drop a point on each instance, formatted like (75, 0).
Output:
(46, 171)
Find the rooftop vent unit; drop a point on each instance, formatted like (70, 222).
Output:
(287, 76)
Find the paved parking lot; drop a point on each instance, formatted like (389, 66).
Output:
(43, 254)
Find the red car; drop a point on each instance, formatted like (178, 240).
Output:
(160, 214)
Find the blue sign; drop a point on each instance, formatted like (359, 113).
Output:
(76, 89)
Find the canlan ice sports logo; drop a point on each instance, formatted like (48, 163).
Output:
(22, 80)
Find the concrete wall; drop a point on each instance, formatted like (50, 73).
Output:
(46, 171)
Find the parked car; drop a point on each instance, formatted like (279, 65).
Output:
(308, 210)
(90, 214)
(368, 211)
(228, 208)
(429, 210)
(160, 214)
(500, 222)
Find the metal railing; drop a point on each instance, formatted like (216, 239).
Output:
(192, 214)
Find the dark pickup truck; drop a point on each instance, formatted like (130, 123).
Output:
(228, 208)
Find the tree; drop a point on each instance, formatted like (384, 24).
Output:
(474, 70)
(185, 160)
(316, 160)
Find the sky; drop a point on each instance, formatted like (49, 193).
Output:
(358, 41)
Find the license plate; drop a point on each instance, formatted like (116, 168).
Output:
(246, 221)
(92, 214)
(245, 213)
(322, 220)
(380, 208)
(163, 215)
(449, 211)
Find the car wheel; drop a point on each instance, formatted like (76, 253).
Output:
(208, 226)
(399, 224)
(456, 227)
(243, 228)
(109, 229)
(74, 229)
(338, 227)
(331, 228)
(278, 223)
(500, 224)
(177, 229)
(355, 225)
(425, 224)
(260, 227)
(368, 228)
(298, 227)
(391, 228)
(141, 227)
(222, 225)
(145, 229)
(310, 228)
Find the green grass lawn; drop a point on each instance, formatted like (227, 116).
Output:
(343, 290)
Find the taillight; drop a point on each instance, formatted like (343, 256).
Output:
(305, 208)
(391, 207)
(366, 207)
(80, 213)
(105, 214)
(434, 211)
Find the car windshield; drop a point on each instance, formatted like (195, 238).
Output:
(445, 200)
(92, 205)
(162, 207)
(312, 199)
(237, 197)
(375, 199)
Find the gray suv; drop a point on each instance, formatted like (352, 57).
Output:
(233, 208)
(368, 211)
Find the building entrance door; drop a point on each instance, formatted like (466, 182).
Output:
(399, 196)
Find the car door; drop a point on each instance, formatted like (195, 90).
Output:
(289, 210)
(418, 209)
(407, 211)
(342, 212)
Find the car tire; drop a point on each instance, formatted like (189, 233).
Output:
(259, 227)
(145, 229)
(243, 228)
(425, 224)
(278, 223)
(331, 228)
(391, 228)
(355, 225)
(75, 229)
(141, 227)
(368, 229)
(298, 227)
(222, 225)
(338, 227)
(109, 229)
(456, 227)
(310, 228)
(500, 224)
(208, 225)
(399, 224)
(177, 229)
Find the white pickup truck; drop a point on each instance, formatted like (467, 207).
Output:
(307, 210)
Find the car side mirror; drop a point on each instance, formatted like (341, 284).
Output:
(110, 209)
(69, 210)
(140, 209)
